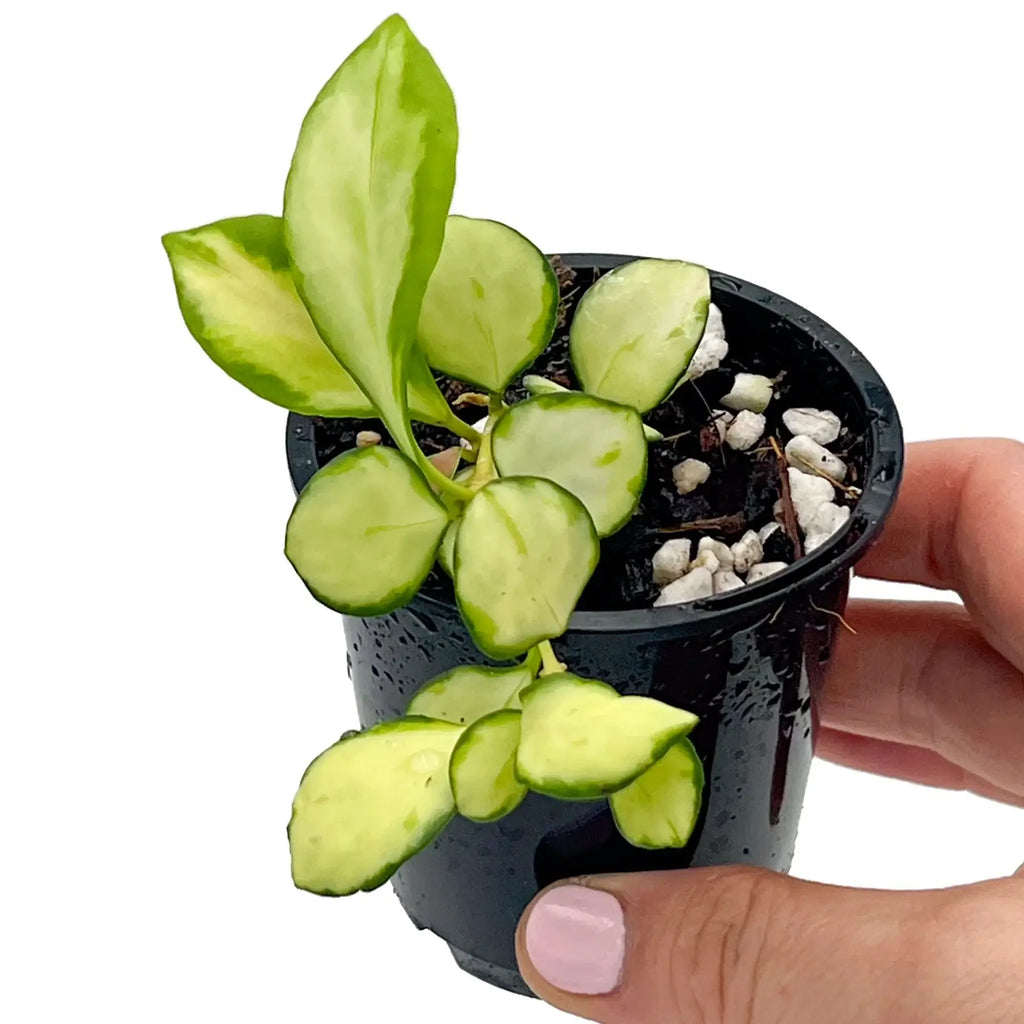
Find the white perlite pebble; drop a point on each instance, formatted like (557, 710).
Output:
(714, 324)
(809, 493)
(706, 559)
(721, 419)
(671, 560)
(367, 438)
(745, 431)
(713, 347)
(808, 455)
(827, 521)
(765, 569)
(694, 585)
(747, 551)
(750, 391)
(766, 531)
(819, 425)
(721, 551)
(724, 580)
(689, 474)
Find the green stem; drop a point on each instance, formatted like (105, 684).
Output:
(485, 470)
(549, 660)
(452, 494)
(462, 429)
(532, 661)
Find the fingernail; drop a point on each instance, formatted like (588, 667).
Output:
(576, 938)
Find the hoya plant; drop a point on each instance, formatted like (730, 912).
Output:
(348, 305)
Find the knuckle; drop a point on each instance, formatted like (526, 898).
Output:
(719, 945)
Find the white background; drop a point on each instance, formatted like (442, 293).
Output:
(168, 677)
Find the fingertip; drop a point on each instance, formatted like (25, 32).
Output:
(571, 942)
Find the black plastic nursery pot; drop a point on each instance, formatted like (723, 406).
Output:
(751, 663)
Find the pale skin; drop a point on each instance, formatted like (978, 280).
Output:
(930, 692)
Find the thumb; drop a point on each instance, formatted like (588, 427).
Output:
(744, 946)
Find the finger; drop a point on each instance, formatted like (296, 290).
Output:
(738, 946)
(920, 674)
(957, 525)
(900, 761)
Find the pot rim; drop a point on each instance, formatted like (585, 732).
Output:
(883, 474)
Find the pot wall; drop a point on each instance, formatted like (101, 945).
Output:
(750, 663)
(754, 692)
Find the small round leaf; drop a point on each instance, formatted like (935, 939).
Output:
(370, 802)
(446, 552)
(636, 329)
(490, 305)
(581, 739)
(659, 809)
(483, 768)
(523, 555)
(595, 449)
(365, 532)
(470, 692)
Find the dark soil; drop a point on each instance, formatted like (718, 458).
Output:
(743, 486)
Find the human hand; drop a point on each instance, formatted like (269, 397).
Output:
(930, 692)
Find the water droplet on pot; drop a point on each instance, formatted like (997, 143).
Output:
(424, 620)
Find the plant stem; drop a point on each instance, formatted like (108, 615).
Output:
(549, 660)
(462, 429)
(727, 524)
(396, 419)
(485, 470)
(451, 493)
(532, 661)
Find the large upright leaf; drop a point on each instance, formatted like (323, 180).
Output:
(365, 206)
(636, 329)
(238, 300)
(595, 449)
(523, 555)
(490, 306)
(365, 532)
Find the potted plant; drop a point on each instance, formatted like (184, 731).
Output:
(589, 521)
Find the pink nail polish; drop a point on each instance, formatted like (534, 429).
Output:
(576, 939)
